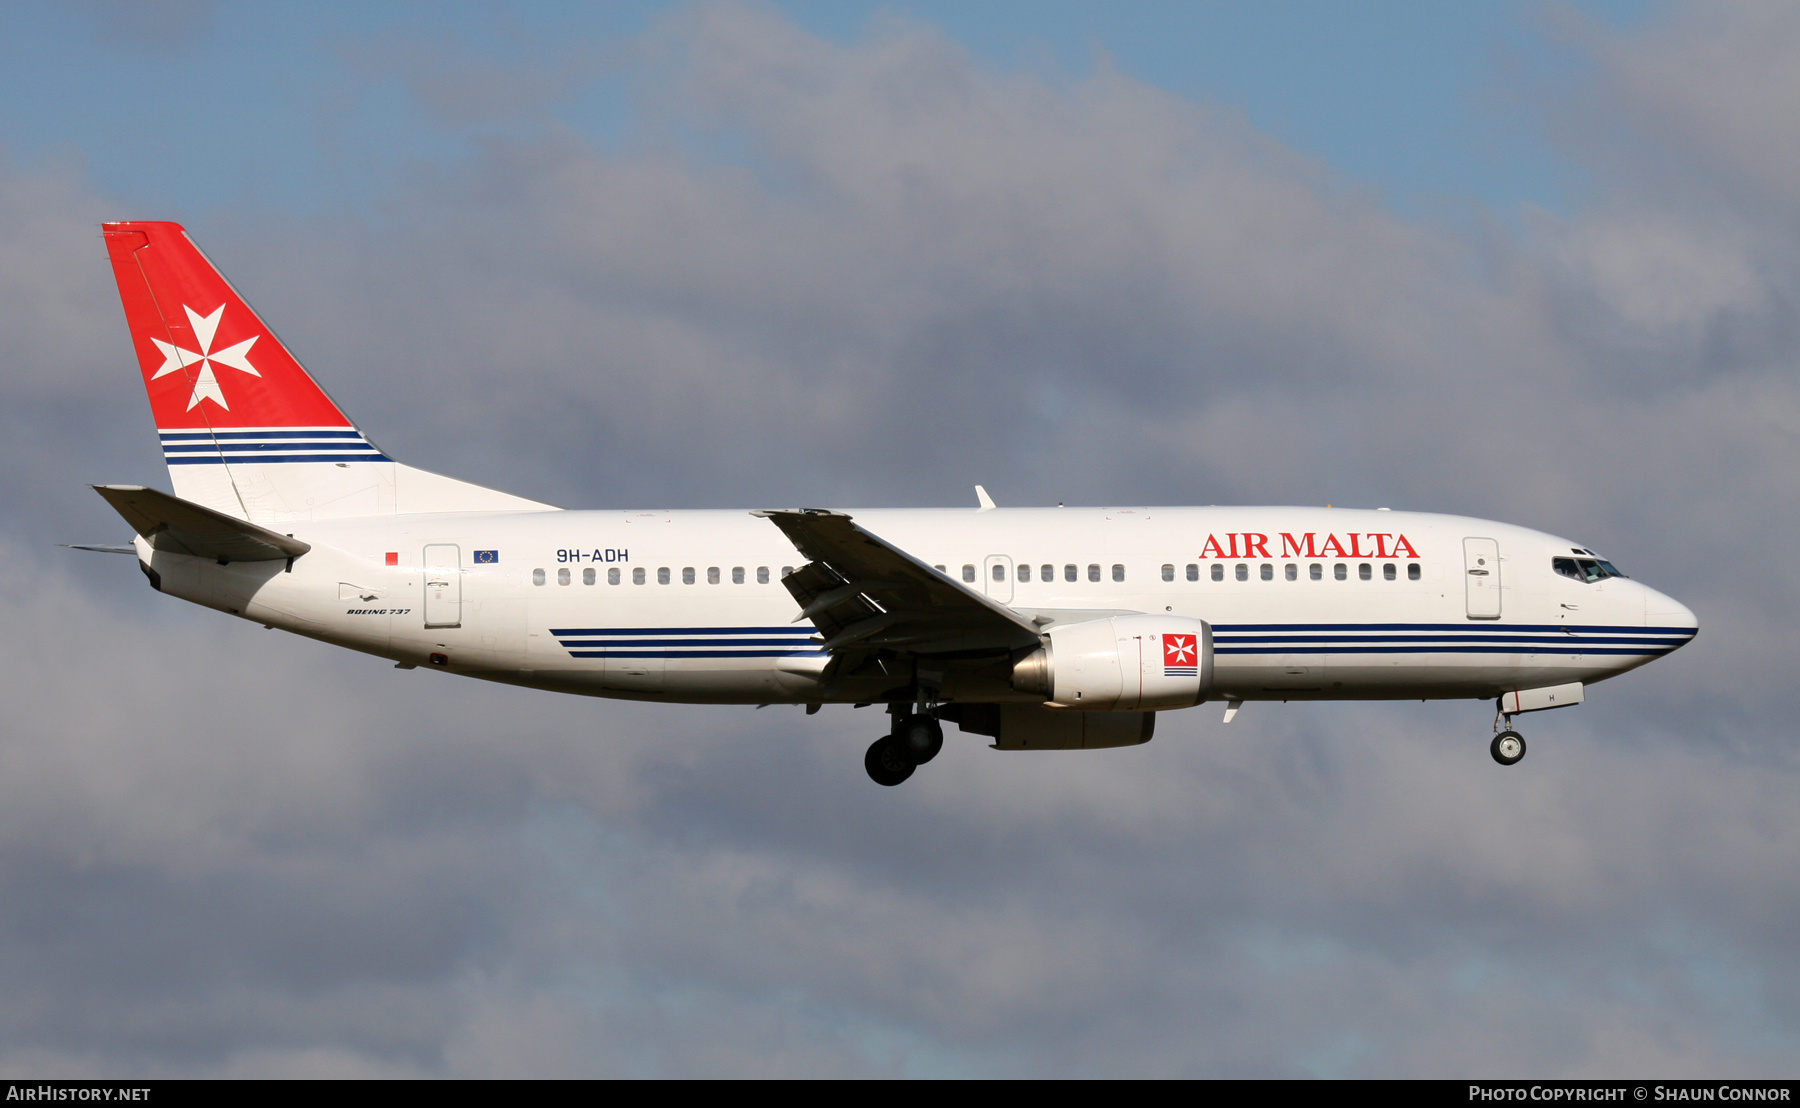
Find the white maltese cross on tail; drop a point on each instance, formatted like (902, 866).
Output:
(206, 386)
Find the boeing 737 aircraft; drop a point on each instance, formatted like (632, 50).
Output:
(1040, 628)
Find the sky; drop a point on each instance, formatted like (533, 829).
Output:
(1529, 262)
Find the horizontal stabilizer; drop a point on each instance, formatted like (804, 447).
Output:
(182, 527)
(98, 548)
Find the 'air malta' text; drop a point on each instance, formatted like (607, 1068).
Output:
(1248, 544)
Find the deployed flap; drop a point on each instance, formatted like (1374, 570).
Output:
(181, 527)
(864, 593)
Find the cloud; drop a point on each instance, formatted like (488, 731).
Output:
(877, 273)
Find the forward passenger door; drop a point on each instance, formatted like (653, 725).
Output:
(1481, 569)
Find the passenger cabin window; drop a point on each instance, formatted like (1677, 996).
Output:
(1046, 573)
(1412, 571)
(1071, 573)
(1340, 572)
(969, 574)
(687, 575)
(1024, 572)
(762, 575)
(737, 575)
(1243, 572)
(1389, 572)
(588, 576)
(1118, 573)
(1218, 572)
(662, 575)
(1316, 572)
(637, 575)
(787, 571)
(1193, 572)
(999, 571)
(1268, 572)
(712, 575)
(1293, 572)
(1585, 570)
(1093, 573)
(537, 576)
(612, 576)
(1364, 573)
(1168, 572)
(940, 569)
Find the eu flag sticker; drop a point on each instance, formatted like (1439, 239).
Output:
(487, 557)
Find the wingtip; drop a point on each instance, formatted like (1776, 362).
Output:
(982, 498)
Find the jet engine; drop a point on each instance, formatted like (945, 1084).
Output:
(1121, 664)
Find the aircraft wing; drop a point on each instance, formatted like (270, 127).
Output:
(864, 593)
(183, 527)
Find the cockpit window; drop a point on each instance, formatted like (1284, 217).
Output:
(1585, 570)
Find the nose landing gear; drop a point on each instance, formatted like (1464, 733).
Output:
(915, 740)
(1508, 745)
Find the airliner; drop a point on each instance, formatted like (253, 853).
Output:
(1034, 628)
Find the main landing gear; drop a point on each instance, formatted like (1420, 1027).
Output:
(915, 740)
(1508, 745)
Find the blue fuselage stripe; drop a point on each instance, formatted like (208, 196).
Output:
(270, 459)
(1564, 640)
(1489, 628)
(175, 436)
(1466, 649)
(1338, 638)
(599, 632)
(610, 643)
(290, 447)
(693, 653)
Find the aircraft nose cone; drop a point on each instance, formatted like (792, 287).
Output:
(1667, 614)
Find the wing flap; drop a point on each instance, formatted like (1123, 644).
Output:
(861, 591)
(183, 527)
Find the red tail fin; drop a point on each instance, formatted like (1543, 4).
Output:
(208, 361)
(244, 429)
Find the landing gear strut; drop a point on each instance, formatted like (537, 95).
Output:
(915, 740)
(1508, 745)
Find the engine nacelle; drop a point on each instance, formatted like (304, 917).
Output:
(1121, 664)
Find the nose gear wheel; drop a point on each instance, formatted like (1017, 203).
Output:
(1508, 747)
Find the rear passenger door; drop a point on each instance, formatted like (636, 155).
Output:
(443, 585)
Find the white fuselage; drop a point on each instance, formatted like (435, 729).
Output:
(689, 606)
